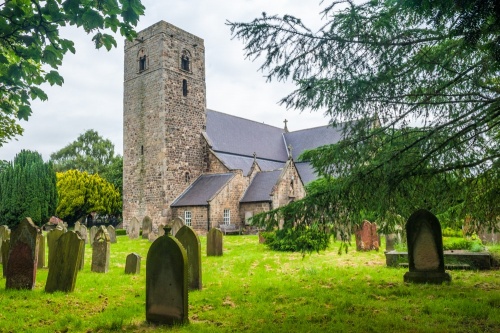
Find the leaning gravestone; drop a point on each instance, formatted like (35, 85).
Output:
(5, 255)
(214, 242)
(133, 228)
(65, 264)
(52, 237)
(4, 234)
(425, 249)
(93, 232)
(147, 227)
(176, 224)
(191, 243)
(367, 237)
(23, 256)
(111, 233)
(41, 252)
(101, 251)
(133, 264)
(166, 281)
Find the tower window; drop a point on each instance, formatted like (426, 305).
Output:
(142, 59)
(184, 88)
(142, 150)
(187, 177)
(185, 61)
(142, 63)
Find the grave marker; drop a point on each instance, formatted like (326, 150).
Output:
(166, 281)
(5, 255)
(93, 232)
(4, 234)
(133, 228)
(214, 242)
(84, 234)
(133, 264)
(100, 251)
(425, 249)
(147, 226)
(191, 243)
(41, 252)
(111, 233)
(366, 237)
(23, 256)
(52, 237)
(176, 224)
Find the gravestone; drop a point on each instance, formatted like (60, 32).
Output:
(161, 230)
(191, 243)
(77, 226)
(82, 254)
(147, 226)
(23, 256)
(166, 281)
(41, 252)
(84, 234)
(93, 232)
(133, 264)
(176, 224)
(214, 242)
(65, 263)
(133, 228)
(100, 251)
(425, 249)
(111, 233)
(366, 237)
(390, 241)
(52, 237)
(152, 237)
(5, 255)
(4, 234)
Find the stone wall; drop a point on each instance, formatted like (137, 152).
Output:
(198, 217)
(254, 208)
(289, 187)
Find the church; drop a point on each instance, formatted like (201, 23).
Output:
(183, 160)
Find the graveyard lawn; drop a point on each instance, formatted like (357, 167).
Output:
(251, 289)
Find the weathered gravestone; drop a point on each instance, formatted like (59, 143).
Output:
(390, 241)
(147, 227)
(77, 226)
(133, 228)
(84, 233)
(191, 243)
(425, 249)
(367, 237)
(52, 237)
(23, 256)
(166, 281)
(214, 242)
(4, 234)
(65, 263)
(101, 251)
(5, 255)
(82, 254)
(41, 252)
(133, 264)
(111, 233)
(176, 224)
(93, 232)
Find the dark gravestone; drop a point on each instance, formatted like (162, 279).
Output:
(101, 251)
(93, 232)
(23, 256)
(191, 243)
(366, 237)
(176, 224)
(214, 242)
(425, 249)
(41, 252)
(147, 227)
(65, 263)
(166, 281)
(111, 233)
(133, 264)
(52, 237)
(4, 234)
(133, 229)
(5, 255)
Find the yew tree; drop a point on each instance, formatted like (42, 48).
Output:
(31, 48)
(415, 85)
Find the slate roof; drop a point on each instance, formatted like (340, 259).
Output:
(306, 172)
(312, 138)
(235, 162)
(261, 187)
(203, 189)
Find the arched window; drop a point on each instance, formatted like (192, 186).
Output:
(185, 56)
(143, 60)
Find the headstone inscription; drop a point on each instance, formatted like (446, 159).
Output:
(23, 256)
(52, 237)
(101, 251)
(147, 226)
(65, 264)
(425, 249)
(367, 237)
(166, 281)
(133, 228)
(133, 264)
(111, 233)
(191, 243)
(214, 242)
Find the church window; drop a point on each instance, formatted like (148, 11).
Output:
(143, 60)
(142, 150)
(227, 216)
(187, 218)
(187, 177)
(185, 65)
(184, 88)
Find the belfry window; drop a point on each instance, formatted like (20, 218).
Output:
(185, 65)
(142, 59)
(187, 177)
(184, 88)
(142, 63)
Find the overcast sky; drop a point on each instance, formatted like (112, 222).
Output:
(92, 94)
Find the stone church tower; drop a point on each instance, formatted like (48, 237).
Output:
(164, 117)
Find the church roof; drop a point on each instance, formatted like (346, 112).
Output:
(203, 189)
(235, 162)
(306, 172)
(261, 187)
(312, 138)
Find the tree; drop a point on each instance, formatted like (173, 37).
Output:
(27, 189)
(81, 193)
(32, 49)
(396, 64)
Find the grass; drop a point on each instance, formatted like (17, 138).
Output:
(252, 289)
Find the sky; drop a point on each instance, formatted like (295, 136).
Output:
(92, 94)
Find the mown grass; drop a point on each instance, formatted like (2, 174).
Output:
(252, 289)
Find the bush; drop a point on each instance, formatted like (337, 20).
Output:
(297, 239)
(453, 243)
(449, 232)
(121, 232)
